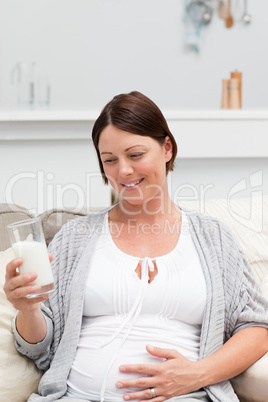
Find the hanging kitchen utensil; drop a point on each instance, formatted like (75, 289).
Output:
(229, 19)
(200, 11)
(222, 10)
(246, 18)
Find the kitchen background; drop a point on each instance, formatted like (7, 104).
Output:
(86, 51)
(93, 49)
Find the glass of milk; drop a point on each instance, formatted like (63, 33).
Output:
(28, 243)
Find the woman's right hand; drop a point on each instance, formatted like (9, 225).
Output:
(30, 322)
(18, 286)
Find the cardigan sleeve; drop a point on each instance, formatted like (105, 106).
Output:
(252, 308)
(245, 304)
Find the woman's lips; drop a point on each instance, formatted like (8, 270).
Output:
(133, 185)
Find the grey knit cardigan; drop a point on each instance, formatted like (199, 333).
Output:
(234, 300)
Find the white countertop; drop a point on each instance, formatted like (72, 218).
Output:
(18, 114)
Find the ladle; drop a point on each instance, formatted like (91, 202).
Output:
(246, 17)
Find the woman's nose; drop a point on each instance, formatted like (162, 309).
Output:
(125, 168)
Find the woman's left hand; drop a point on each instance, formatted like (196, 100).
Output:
(176, 376)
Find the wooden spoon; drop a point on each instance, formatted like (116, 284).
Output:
(229, 19)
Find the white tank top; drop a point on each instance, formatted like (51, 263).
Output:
(122, 314)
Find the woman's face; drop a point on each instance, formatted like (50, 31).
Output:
(134, 165)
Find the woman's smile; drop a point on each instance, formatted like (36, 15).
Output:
(132, 185)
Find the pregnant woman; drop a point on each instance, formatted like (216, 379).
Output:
(151, 302)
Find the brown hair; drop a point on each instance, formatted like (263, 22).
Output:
(137, 114)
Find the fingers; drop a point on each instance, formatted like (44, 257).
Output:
(162, 352)
(23, 291)
(150, 369)
(11, 268)
(23, 280)
(144, 395)
(158, 382)
(145, 385)
(143, 382)
(19, 286)
(14, 280)
(147, 369)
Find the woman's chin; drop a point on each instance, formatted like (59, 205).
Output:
(131, 201)
(137, 206)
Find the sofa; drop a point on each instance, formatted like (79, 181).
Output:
(248, 219)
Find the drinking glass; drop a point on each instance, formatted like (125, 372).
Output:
(28, 243)
(23, 75)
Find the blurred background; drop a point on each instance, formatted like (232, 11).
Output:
(93, 49)
(76, 55)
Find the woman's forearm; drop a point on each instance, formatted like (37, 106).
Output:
(31, 325)
(235, 356)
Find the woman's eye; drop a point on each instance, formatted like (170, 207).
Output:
(135, 155)
(109, 161)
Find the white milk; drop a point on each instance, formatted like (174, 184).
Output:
(35, 259)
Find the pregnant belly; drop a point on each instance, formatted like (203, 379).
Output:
(94, 369)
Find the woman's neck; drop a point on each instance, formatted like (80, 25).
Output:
(151, 211)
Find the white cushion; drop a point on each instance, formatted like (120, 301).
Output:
(252, 385)
(19, 375)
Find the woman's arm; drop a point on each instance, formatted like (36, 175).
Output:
(31, 325)
(236, 355)
(178, 375)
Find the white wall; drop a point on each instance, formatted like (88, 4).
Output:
(203, 179)
(41, 175)
(93, 49)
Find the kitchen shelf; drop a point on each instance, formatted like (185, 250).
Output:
(54, 114)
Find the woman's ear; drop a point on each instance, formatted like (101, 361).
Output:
(168, 148)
